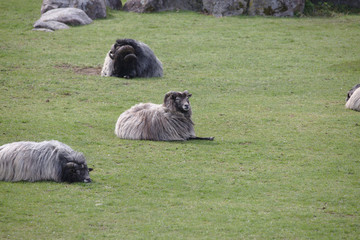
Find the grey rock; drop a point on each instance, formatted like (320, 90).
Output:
(278, 8)
(42, 30)
(93, 8)
(142, 6)
(114, 4)
(69, 16)
(51, 25)
(219, 8)
(225, 7)
(53, 4)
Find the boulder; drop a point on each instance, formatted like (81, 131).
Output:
(53, 4)
(51, 25)
(42, 30)
(219, 8)
(68, 16)
(114, 4)
(93, 8)
(278, 8)
(142, 6)
(224, 7)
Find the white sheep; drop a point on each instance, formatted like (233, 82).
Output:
(42, 161)
(353, 98)
(170, 121)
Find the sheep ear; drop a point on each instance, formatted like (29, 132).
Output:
(187, 93)
(90, 169)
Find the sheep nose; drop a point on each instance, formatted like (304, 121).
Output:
(186, 107)
(87, 180)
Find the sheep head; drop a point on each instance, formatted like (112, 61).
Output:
(75, 168)
(125, 60)
(351, 91)
(178, 101)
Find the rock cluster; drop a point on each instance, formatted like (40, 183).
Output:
(93, 8)
(142, 6)
(220, 8)
(60, 18)
(60, 14)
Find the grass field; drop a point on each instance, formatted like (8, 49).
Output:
(285, 162)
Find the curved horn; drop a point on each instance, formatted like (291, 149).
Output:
(111, 55)
(167, 96)
(130, 57)
(125, 50)
(70, 165)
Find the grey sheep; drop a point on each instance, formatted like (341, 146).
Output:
(353, 98)
(42, 161)
(129, 58)
(170, 121)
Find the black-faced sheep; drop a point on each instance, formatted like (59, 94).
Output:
(42, 161)
(129, 58)
(353, 98)
(170, 121)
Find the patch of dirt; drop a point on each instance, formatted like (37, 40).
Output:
(81, 70)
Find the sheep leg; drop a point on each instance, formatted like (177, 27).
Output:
(201, 138)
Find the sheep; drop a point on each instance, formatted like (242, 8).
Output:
(129, 58)
(170, 121)
(353, 98)
(42, 161)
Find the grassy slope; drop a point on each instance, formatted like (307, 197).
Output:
(285, 161)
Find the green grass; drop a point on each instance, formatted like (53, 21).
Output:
(285, 160)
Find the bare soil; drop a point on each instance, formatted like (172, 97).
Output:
(81, 70)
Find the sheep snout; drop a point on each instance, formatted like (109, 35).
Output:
(87, 180)
(186, 107)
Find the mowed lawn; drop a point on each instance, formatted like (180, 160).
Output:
(285, 162)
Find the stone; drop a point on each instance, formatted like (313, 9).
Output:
(220, 8)
(43, 30)
(93, 8)
(224, 7)
(51, 25)
(53, 4)
(278, 8)
(114, 4)
(143, 6)
(68, 16)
